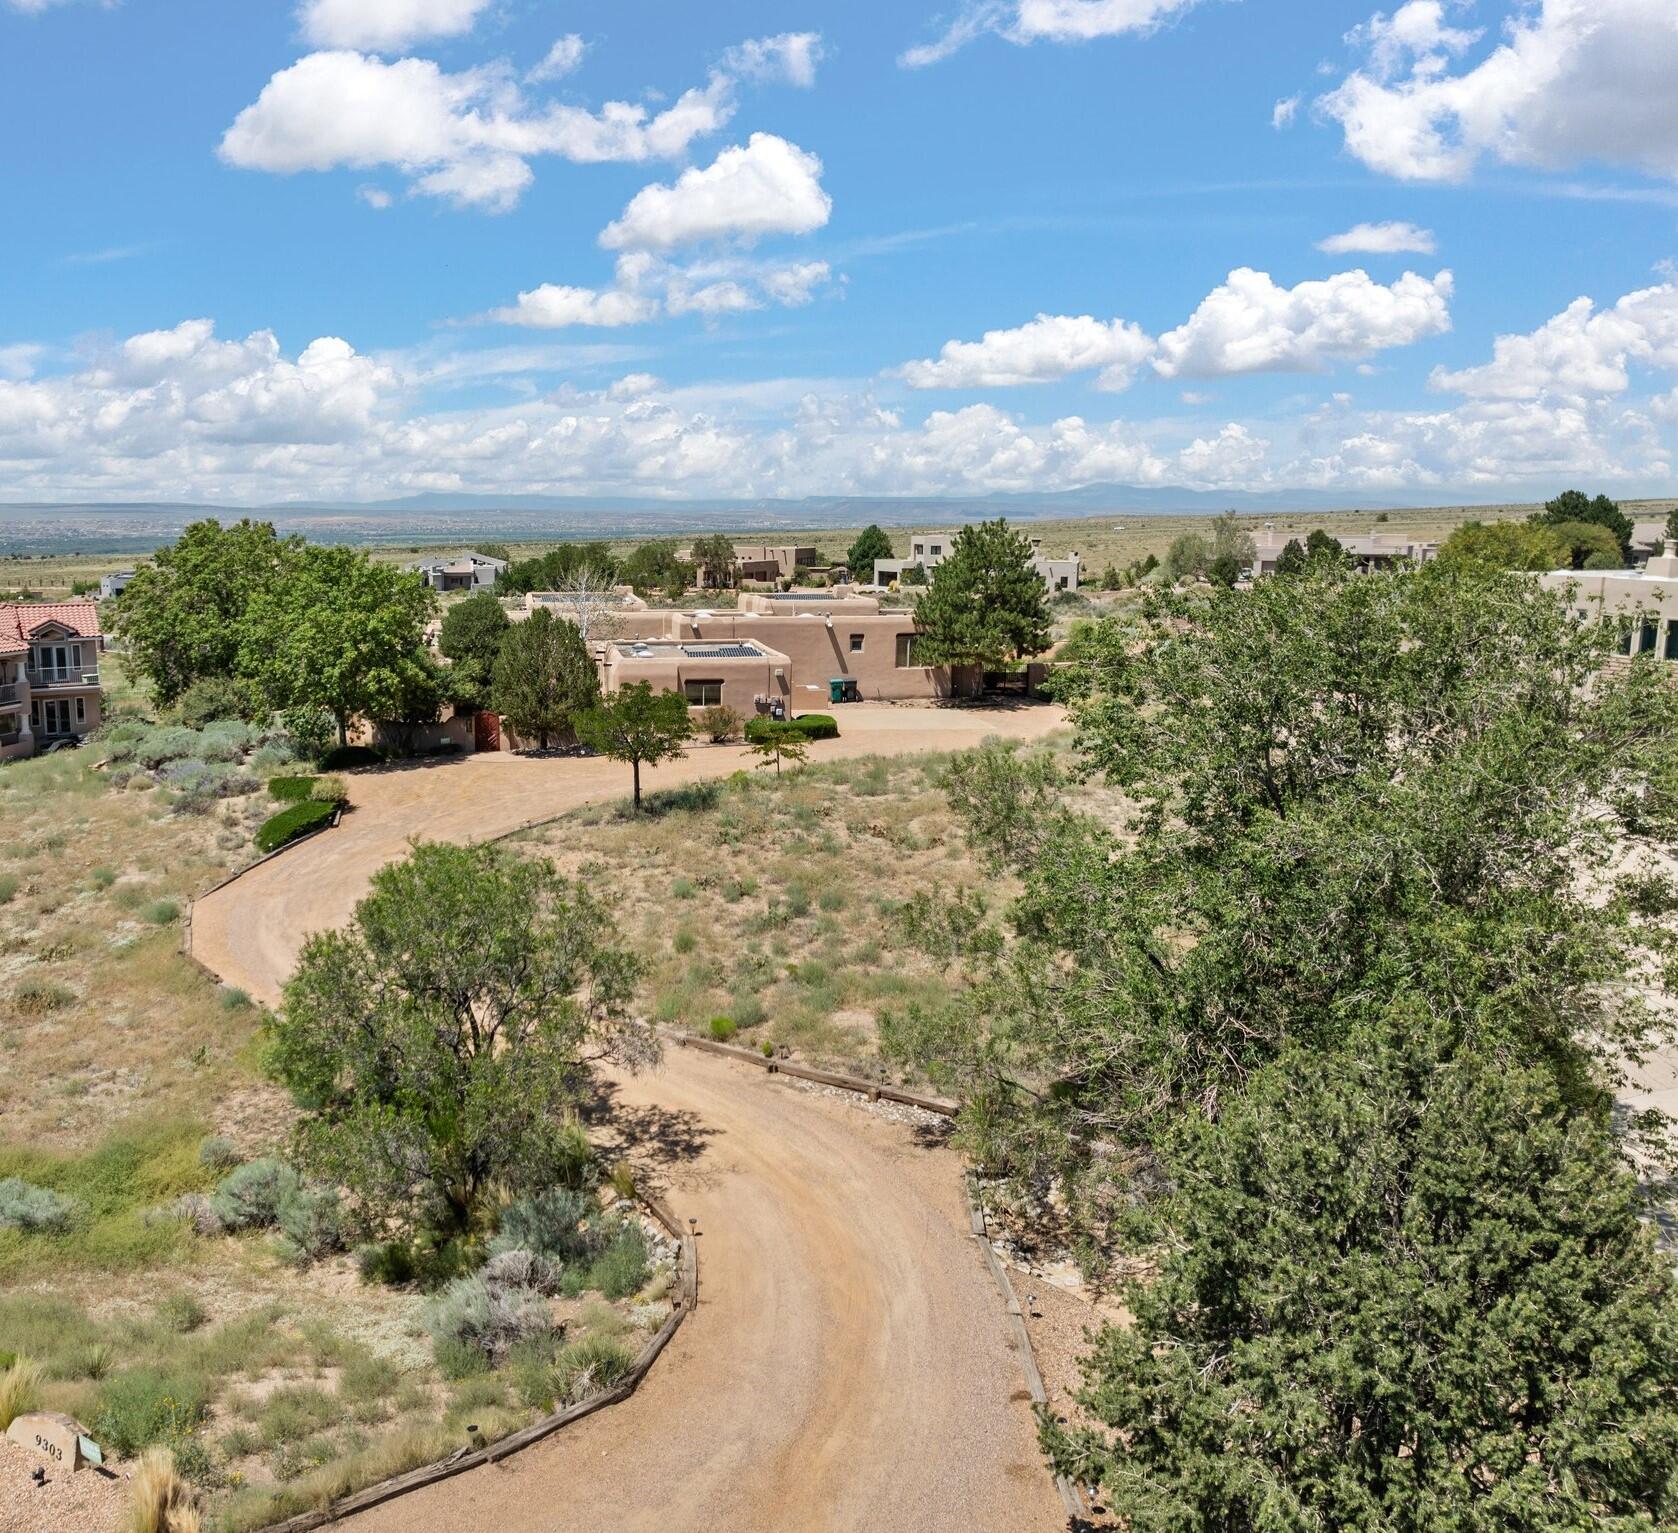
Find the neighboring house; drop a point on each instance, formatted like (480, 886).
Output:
(763, 561)
(462, 572)
(928, 550)
(1380, 550)
(788, 647)
(1644, 603)
(112, 586)
(49, 674)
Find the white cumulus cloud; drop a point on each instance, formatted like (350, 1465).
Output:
(1574, 81)
(769, 186)
(552, 307)
(1380, 239)
(1249, 324)
(1029, 21)
(469, 136)
(1581, 352)
(385, 26)
(1048, 347)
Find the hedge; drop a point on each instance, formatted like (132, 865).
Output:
(343, 757)
(291, 823)
(291, 790)
(813, 726)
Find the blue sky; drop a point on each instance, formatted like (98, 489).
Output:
(358, 248)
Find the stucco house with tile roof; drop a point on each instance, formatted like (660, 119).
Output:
(49, 674)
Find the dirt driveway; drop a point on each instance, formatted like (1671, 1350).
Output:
(250, 932)
(848, 1367)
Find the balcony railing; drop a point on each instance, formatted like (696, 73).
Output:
(11, 694)
(62, 676)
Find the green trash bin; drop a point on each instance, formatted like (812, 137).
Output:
(836, 689)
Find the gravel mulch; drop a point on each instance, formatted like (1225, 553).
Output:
(91, 1501)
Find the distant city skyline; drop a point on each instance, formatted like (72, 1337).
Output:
(355, 250)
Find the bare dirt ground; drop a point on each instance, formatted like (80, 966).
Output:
(848, 1366)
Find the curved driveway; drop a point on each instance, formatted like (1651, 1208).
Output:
(848, 1367)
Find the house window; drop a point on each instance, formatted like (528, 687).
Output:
(906, 650)
(1671, 651)
(856, 643)
(1061, 583)
(1647, 641)
(81, 711)
(935, 550)
(1627, 634)
(703, 694)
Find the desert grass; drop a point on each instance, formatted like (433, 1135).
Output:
(765, 909)
(160, 1501)
(20, 1390)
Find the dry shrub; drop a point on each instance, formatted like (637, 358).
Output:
(161, 1501)
(20, 1390)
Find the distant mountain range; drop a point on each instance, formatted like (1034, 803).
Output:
(41, 528)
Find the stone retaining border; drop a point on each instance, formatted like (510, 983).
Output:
(464, 1460)
(1069, 1495)
(875, 1091)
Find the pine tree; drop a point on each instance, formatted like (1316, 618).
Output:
(544, 677)
(986, 604)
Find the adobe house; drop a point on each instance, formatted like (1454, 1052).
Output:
(1643, 603)
(797, 644)
(1377, 551)
(49, 674)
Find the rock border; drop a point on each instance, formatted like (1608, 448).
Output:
(1069, 1494)
(468, 1459)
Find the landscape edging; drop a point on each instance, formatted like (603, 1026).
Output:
(875, 1091)
(1069, 1495)
(460, 1462)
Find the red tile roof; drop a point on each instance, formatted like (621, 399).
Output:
(19, 621)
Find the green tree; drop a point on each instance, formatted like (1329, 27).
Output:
(654, 567)
(183, 616)
(1590, 545)
(1320, 544)
(1576, 506)
(471, 638)
(871, 544)
(544, 678)
(438, 1040)
(1670, 531)
(985, 606)
(1343, 786)
(777, 740)
(421, 688)
(1508, 546)
(1404, 1295)
(548, 571)
(338, 632)
(713, 555)
(1224, 571)
(1292, 558)
(1232, 541)
(1189, 554)
(638, 726)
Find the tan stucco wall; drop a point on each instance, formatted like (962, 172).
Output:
(814, 652)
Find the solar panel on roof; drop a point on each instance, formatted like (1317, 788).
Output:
(720, 652)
